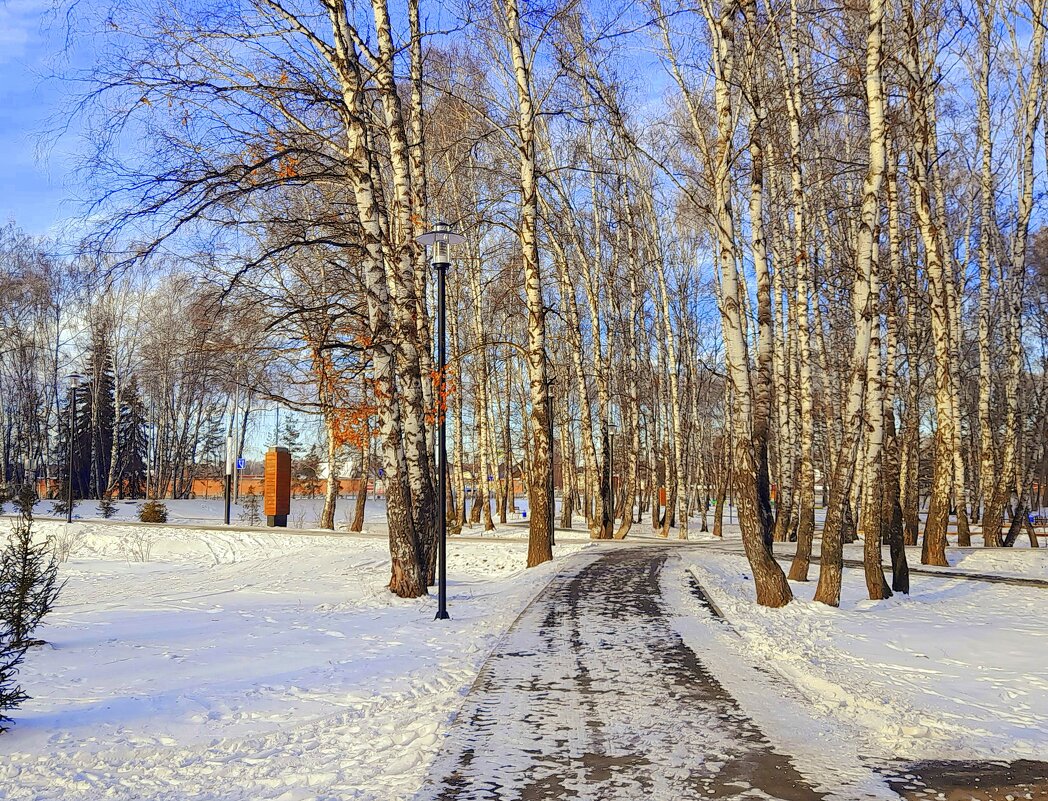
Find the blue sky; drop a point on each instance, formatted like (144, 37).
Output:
(34, 187)
(37, 188)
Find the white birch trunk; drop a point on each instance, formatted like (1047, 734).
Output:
(863, 301)
(770, 582)
(540, 496)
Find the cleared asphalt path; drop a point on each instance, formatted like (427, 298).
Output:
(591, 695)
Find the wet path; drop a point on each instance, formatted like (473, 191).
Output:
(970, 781)
(592, 695)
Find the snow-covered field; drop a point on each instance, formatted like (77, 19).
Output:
(955, 670)
(305, 512)
(232, 665)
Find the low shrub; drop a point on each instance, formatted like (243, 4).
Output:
(153, 512)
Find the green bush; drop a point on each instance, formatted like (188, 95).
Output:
(153, 512)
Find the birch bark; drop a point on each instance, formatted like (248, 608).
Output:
(770, 582)
(1027, 123)
(891, 506)
(482, 379)
(763, 379)
(933, 549)
(540, 494)
(872, 503)
(408, 577)
(633, 364)
(863, 300)
(801, 279)
(403, 254)
(987, 441)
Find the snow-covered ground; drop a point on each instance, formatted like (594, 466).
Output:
(232, 665)
(305, 513)
(1025, 562)
(190, 662)
(1019, 560)
(955, 670)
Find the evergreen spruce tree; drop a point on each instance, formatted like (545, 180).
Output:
(11, 655)
(81, 451)
(59, 505)
(292, 439)
(153, 511)
(212, 449)
(82, 444)
(29, 583)
(250, 512)
(106, 507)
(131, 433)
(99, 415)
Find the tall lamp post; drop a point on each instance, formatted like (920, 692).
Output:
(611, 470)
(74, 383)
(227, 484)
(440, 240)
(29, 477)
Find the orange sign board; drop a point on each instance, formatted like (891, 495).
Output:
(278, 482)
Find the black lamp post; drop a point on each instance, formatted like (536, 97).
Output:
(440, 240)
(611, 470)
(29, 477)
(227, 482)
(74, 383)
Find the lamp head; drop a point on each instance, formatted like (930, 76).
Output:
(74, 380)
(440, 240)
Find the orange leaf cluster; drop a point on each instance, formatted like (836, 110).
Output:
(351, 425)
(444, 389)
(349, 418)
(288, 167)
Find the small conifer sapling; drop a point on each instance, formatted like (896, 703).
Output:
(29, 583)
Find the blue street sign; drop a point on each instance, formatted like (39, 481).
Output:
(241, 461)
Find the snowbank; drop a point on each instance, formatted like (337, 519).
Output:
(956, 670)
(231, 665)
(1025, 562)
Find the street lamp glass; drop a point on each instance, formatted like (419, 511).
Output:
(74, 380)
(441, 252)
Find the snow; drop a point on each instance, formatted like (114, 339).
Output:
(822, 748)
(955, 670)
(1022, 562)
(243, 665)
(304, 514)
(1019, 561)
(211, 663)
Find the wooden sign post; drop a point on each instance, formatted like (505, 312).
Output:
(278, 486)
